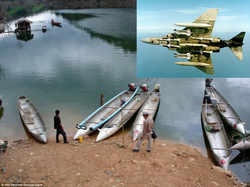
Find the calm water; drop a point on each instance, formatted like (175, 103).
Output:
(94, 52)
(158, 61)
(67, 68)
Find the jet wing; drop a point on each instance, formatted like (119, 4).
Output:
(202, 61)
(204, 58)
(203, 25)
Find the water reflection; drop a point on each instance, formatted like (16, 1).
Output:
(2, 73)
(55, 25)
(100, 20)
(242, 157)
(1, 112)
(24, 35)
(66, 68)
(75, 16)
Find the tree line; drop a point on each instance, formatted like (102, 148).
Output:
(12, 9)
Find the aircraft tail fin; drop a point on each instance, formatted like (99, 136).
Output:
(237, 51)
(236, 46)
(239, 37)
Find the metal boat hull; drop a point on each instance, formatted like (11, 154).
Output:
(150, 106)
(122, 117)
(225, 109)
(104, 113)
(216, 135)
(32, 119)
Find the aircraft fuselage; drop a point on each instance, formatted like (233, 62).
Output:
(201, 44)
(175, 41)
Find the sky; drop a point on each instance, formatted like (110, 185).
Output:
(160, 15)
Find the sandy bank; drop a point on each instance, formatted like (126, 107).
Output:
(109, 163)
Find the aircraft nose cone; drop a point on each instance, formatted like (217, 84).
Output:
(146, 40)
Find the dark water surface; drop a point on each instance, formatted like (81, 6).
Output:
(94, 52)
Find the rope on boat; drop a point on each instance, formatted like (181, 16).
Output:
(142, 81)
(152, 81)
(146, 80)
(84, 127)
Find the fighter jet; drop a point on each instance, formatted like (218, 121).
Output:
(195, 43)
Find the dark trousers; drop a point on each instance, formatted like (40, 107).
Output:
(62, 132)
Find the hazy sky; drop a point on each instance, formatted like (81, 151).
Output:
(160, 15)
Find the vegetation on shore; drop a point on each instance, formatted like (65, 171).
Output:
(10, 9)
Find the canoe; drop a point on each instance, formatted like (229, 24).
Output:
(243, 144)
(32, 119)
(56, 23)
(120, 119)
(150, 106)
(104, 113)
(216, 135)
(224, 108)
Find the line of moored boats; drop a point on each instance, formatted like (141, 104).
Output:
(108, 118)
(114, 114)
(215, 110)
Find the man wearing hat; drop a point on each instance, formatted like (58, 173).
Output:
(148, 125)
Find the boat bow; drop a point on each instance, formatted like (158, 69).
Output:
(240, 127)
(243, 144)
(224, 162)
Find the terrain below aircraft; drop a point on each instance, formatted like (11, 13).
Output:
(195, 43)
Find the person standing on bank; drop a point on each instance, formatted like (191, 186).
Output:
(148, 125)
(59, 128)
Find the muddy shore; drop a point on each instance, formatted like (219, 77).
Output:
(109, 163)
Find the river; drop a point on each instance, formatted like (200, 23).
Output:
(94, 53)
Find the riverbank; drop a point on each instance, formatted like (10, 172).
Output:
(110, 163)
